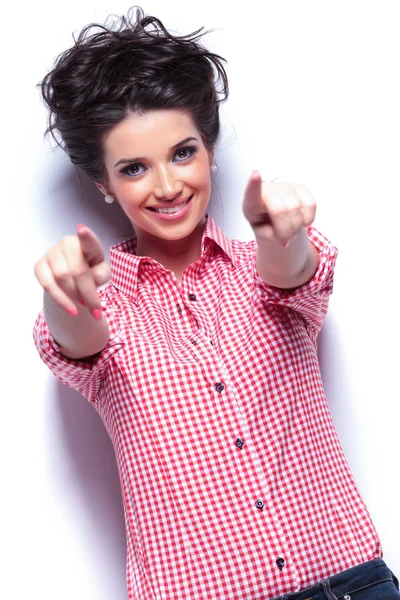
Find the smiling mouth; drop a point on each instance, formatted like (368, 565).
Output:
(171, 210)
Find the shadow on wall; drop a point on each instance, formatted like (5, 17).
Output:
(90, 464)
(338, 389)
(69, 197)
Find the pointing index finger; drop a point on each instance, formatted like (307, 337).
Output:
(253, 189)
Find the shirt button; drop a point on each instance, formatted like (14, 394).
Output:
(178, 306)
(192, 297)
(260, 504)
(239, 443)
(219, 387)
(280, 562)
(193, 342)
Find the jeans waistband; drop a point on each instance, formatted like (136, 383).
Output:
(345, 582)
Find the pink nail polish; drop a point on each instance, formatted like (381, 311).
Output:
(97, 313)
(72, 310)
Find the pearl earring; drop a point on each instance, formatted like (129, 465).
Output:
(213, 168)
(109, 199)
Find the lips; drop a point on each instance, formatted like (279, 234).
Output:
(178, 203)
(180, 211)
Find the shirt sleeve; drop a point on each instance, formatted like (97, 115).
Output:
(311, 299)
(84, 376)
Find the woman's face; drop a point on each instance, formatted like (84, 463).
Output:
(152, 164)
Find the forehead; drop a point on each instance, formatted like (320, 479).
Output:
(148, 133)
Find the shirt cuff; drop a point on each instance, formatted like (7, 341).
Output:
(322, 279)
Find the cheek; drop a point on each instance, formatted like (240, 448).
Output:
(131, 191)
(201, 175)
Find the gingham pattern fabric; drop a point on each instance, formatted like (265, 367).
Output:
(235, 486)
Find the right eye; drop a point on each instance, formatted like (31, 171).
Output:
(132, 170)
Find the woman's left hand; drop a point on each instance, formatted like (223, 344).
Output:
(277, 210)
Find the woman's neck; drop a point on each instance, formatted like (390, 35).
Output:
(174, 255)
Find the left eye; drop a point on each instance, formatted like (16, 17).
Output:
(185, 153)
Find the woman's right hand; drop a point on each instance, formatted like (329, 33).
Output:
(72, 270)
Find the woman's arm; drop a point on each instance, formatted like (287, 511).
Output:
(288, 267)
(78, 337)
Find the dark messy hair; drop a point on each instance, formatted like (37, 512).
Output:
(129, 65)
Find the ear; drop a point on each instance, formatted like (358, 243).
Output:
(211, 157)
(102, 188)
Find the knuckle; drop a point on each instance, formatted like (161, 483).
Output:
(47, 287)
(101, 273)
(68, 240)
(37, 269)
(106, 272)
(277, 211)
(310, 209)
(79, 271)
(61, 274)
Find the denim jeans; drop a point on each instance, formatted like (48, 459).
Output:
(371, 580)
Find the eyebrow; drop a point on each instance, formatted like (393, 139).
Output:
(139, 158)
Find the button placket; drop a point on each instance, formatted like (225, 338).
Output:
(260, 503)
(263, 504)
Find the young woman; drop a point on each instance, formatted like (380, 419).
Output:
(200, 353)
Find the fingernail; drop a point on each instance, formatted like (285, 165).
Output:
(72, 310)
(285, 244)
(97, 313)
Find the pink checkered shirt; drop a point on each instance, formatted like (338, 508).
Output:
(234, 482)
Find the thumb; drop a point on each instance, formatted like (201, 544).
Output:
(101, 273)
(91, 245)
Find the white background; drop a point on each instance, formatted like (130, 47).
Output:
(314, 99)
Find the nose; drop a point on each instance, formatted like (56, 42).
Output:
(167, 186)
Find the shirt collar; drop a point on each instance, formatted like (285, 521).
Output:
(125, 265)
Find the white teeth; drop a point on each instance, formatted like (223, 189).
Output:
(171, 211)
